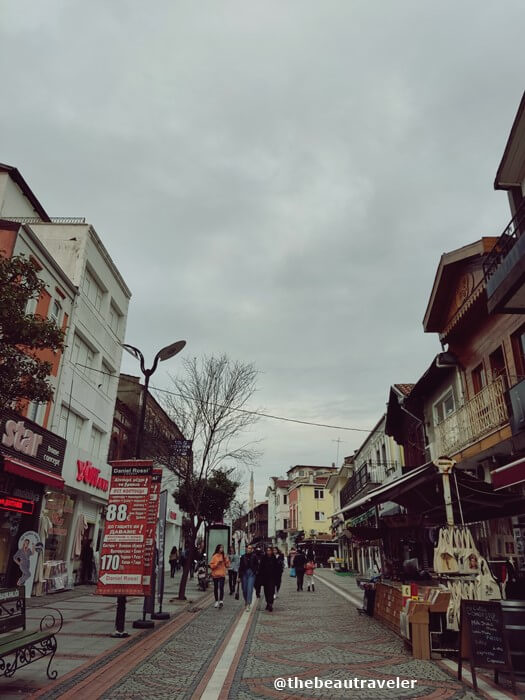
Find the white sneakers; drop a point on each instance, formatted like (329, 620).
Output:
(276, 596)
(216, 604)
(221, 604)
(248, 608)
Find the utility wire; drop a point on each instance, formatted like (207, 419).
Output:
(239, 410)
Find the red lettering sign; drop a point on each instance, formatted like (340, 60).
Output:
(89, 474)
(18, 505)
(123, 550)
(151, 527)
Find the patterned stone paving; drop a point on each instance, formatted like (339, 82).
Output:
(308, 635)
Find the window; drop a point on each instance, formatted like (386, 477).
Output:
(318, 493)
(114, 319)
(93, 290)
(95, 442)
(479, 378)
(285, 499)
(319, 515)
(82, 355)
(105, 378)
(285, 523)
(518, 349)
(497, 364)
(55, 313)
(33, 411)
(31, 306)
(70, 425)
(444, 407)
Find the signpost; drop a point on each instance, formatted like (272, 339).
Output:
(123, 550)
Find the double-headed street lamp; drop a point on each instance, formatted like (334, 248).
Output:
(164, 354)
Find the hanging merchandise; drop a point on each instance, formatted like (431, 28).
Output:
(487, 588)
(468, 555)
(454, 605)
(445, 561)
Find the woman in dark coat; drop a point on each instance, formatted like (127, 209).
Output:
(269, 569)
(280, 560)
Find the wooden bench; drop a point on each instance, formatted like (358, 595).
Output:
(21, 648)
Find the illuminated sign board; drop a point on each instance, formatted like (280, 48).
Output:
(18, 505)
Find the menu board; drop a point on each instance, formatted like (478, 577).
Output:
(123, 549)
(151, 527)
(483, 638)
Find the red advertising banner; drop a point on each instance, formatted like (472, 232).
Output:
(123, 548)
(151, 528)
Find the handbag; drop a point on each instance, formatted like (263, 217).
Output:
(487, 588)
(292, 571)
(444, 560)
(469, 555)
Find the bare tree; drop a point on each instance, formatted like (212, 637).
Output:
(209, 405)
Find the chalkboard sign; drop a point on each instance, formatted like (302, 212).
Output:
(483, 639)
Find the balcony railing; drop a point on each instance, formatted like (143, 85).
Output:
(371, 473)
(515, 228)
(478, 417)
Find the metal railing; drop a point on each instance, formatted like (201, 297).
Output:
(481, 415)
(54, 219)
(514, 229)
(370, 473)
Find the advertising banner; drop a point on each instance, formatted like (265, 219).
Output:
(123, 549)
(151, 527)
(163, 506)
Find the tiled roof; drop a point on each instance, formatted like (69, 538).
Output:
(282, 483)
(405, 389)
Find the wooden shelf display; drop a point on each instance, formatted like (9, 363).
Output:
(388, 605)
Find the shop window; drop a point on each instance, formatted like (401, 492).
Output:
(57, 515)
(479, 378)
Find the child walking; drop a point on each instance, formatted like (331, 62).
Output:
(309, 573)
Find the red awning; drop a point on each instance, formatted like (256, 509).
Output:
(509, 475)
(33, 473)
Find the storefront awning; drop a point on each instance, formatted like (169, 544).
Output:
(420, 491)
(510, 475)
(32, 473)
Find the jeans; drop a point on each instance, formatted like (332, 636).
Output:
(248, 580)
(218, 588)
(232, 580)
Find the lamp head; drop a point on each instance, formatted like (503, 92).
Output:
(171, 350)
(132, 350)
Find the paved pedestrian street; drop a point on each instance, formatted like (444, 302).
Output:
(309, 638)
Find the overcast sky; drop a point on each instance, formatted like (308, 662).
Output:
(275, 180)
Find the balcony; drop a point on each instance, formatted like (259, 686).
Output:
(516, 395)
(373, 473)
(482, 415)
(504, 269)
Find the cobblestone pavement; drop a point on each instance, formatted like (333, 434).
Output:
(308, 635)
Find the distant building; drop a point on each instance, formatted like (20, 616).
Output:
(278, 511)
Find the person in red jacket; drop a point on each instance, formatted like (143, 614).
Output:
(309, 573)
(219, 564)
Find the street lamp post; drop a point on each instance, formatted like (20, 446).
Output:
(165, 354)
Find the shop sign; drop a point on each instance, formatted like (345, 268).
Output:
(22, 439)
(18, 505)
(90, 475)
(172, 515)
(123, 549)
(151, 527)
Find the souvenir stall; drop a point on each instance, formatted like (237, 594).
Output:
(430, 559)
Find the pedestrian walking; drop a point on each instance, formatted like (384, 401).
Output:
(174, 561)
(309, 573)
(291, 557)
(258, 581)
(269, 569)
(280, 560)
(234, 569)
(299, 562)
(86, 562)
(219, 564)
(248, 567)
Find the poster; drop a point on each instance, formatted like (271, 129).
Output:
(163, 506)
(122, 557)
(26, 556)
(151, 527)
